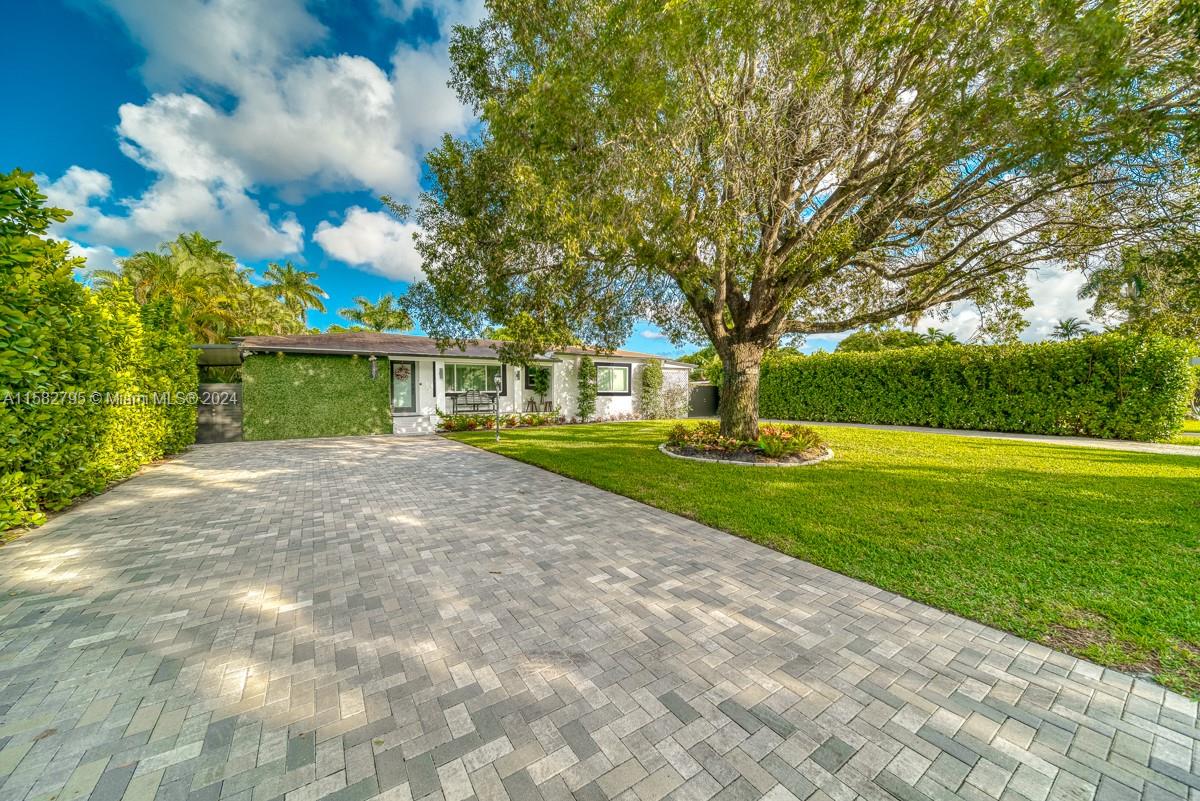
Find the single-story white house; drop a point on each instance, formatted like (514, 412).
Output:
(424, 379)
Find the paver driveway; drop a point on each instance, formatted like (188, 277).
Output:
(347, 619)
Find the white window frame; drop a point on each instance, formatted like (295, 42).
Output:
(628, 368)
(450, 377)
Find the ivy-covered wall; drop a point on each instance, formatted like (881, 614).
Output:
(296, 396)
(1113, 386)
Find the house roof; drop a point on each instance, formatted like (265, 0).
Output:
(368, 342)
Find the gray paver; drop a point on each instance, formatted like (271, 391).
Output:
(348, 619)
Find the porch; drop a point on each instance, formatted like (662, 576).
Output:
(423, 389)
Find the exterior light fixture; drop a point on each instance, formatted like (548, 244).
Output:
(374, 367)
(498, 385)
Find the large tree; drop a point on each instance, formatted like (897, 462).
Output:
(745, 170)
(1151, 289)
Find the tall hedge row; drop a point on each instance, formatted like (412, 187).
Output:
(68, 358)
(295, 396)
(1112, 386)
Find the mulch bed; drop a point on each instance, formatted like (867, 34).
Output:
(749, 455)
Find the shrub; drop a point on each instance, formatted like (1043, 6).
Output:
(586, 402)
(774, 441)
(1113, 385)
(783, 439)
(66, 355)
(472, 422)
(148, 352)
(704, 436)
(650, 403)
(873, 341)
(1195, 410)
(676, 400)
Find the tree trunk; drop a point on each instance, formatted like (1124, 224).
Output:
(739, 390)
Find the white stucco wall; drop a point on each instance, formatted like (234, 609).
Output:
(566, 386)
(564, 390)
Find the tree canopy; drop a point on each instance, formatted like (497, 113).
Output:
(214, 294)
(1070, 328)
(894, 339)
(745, 170)
(385, 314)
(296, 289)
(1150, 290)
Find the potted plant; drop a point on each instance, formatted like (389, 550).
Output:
(539, 379)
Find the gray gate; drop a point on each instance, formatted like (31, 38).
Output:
(219, 413)
(704, 400)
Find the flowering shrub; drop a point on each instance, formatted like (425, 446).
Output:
(704, 436)
(473, 422)
(775, 441)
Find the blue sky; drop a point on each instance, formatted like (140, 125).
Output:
(272, 125)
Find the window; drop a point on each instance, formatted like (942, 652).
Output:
(612, 379)
(463, 377)
(531, 374)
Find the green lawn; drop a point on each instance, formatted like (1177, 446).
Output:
(1191, 429)
(1095, 552)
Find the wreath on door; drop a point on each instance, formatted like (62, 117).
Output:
(401, 372)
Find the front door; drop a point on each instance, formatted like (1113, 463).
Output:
(404, 386)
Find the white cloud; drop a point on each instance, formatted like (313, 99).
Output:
(301, 123)
(215, 42)
(447, 12)
(374, 241)
(219, 208)
(293, 123)
(1055, 296)
(76, 188)
(100, 257)
(650, 333)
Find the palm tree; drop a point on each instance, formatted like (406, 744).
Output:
(936, 336)
(296, 289)
(386, 314)
(259, 312)
(1070, 328)
(215, 296)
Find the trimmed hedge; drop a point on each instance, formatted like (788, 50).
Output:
(297, 396)
(1112, 386)
(68, 357)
